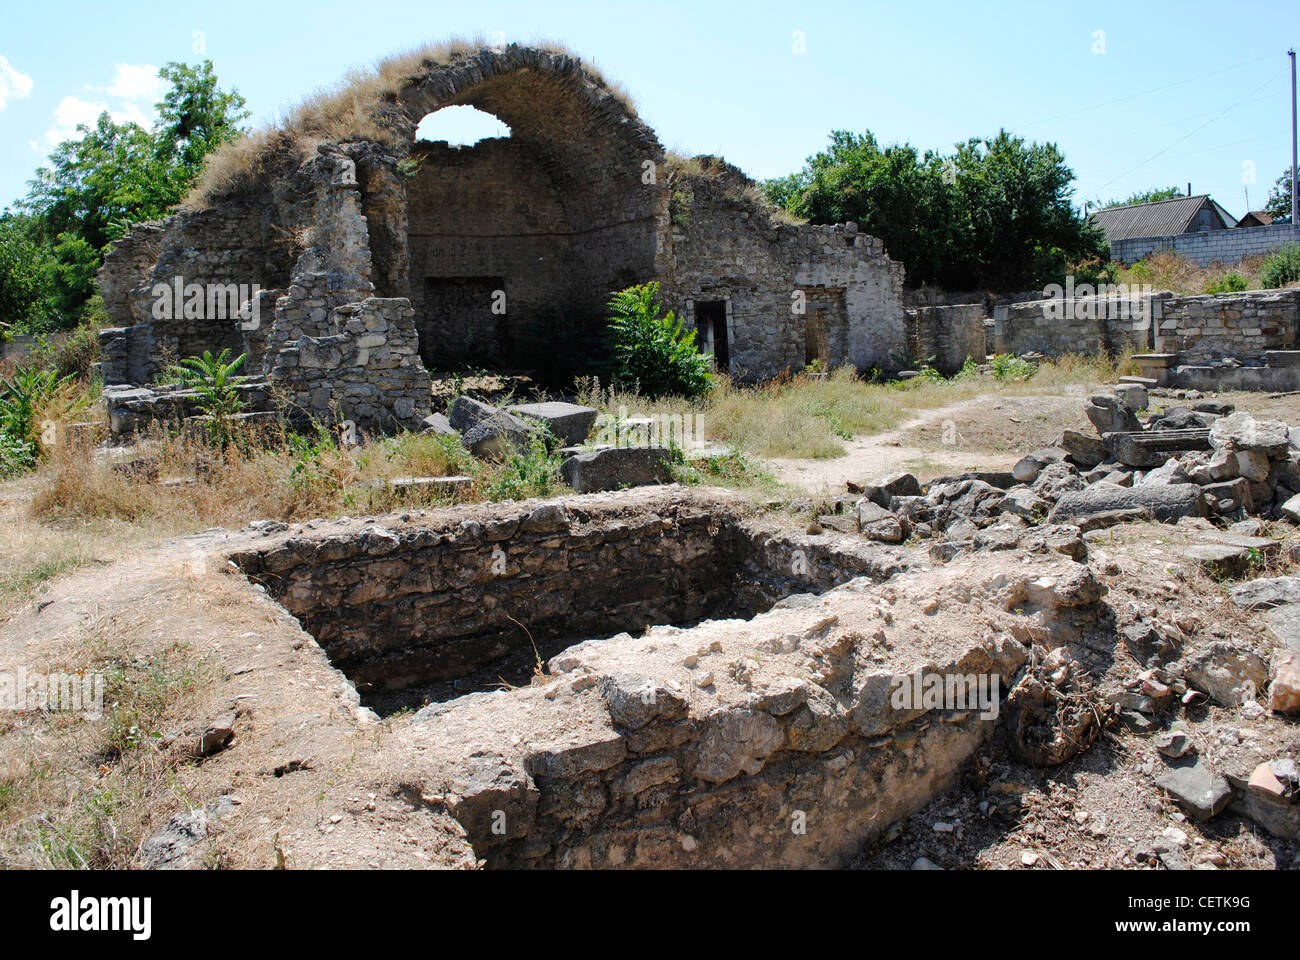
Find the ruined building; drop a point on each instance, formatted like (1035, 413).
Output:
(366, 256)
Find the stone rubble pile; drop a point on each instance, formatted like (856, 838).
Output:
(490, 433)
(1204, 461)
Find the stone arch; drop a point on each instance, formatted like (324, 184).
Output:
(549, 221)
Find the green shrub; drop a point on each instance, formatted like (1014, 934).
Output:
(531, 472)
(651, 350)
(1009, 369)
(214, 379)
(74, 354)
(1281, 267)
(1230, 282)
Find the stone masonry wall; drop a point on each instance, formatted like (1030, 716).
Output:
(486, 213)
(948, 334)
(1085, 325)
(441, 598)
(720, 245)
(1240, 325)
(368, 373)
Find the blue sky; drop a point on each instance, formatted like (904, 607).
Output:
(1136, 94)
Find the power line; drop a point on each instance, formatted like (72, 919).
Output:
(1192, 133)
(1134, 96)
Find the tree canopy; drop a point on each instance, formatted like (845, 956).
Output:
(994, 214)
(96, 184)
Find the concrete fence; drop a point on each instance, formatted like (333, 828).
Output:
(1210, 246)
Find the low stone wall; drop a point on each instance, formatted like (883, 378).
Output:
(451, 593)
(369, 373)
(131, 410)
(948, 334)
(1241, 325)
(1211, 246)
(1213, 379)
(1084, 325)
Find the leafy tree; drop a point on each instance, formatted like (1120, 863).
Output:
(112, 175)
(194, 118)
(1279, 197)
(25, 263)
(1147, 196)
(893, 193)
(1020, 229)
(652, 352)
(996, 213)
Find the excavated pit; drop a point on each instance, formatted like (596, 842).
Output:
(428, 608)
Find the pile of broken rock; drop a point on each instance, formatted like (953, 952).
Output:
(1205, 461)
(490, 433)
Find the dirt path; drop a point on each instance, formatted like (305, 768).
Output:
(893, 451)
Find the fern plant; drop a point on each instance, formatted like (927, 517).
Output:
(214, 380)
(29, 394)
(652, 351)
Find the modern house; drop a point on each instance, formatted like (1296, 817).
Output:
(1256, 218)
(1195, 228)
(1163, 218)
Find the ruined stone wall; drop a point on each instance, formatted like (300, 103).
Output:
(483, 218)
(1085, 325)
(948, 334)
(368, 373)
(395, 607)
(575, 205)
(722, 246)
(1241, 325)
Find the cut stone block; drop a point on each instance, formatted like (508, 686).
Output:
(431, 486)
(1147, 449)
(438, 425)
(467, 413)
(616, 468)
(1166, 503)
(1111, 415)
(569, 423)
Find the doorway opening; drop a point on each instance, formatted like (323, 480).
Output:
(711, 321)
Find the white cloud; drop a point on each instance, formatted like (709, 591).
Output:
(71, 112)
(130, 99)
(137, 82)
(13, 85)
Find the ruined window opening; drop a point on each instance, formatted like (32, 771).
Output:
(461, 127)
(711, 321)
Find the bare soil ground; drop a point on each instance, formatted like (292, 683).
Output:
(304, 781)
(991, 433)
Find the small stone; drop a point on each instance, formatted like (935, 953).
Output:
(1173, 743)
(1197, 788)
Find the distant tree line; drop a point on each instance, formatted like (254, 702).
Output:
(995, 214)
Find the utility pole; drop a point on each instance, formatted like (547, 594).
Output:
(1295, 174)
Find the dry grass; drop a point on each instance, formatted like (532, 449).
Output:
(1169, 271)
(268, 476)
(353, 109)
(79, 792)
(803, 416)
(682, 170)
